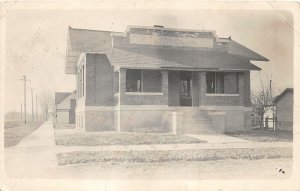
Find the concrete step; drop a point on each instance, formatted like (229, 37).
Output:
(199, 132)
(197, 125)
(196, 117)
(196, 121)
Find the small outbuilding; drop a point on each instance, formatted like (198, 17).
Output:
(65, 103)
(284, 110)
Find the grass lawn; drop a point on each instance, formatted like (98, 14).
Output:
(81, 157)
(13, 135)
(113, 138)
(59, 126)
(264, 135)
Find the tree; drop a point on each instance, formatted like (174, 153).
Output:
(262, 100)
(46, 103)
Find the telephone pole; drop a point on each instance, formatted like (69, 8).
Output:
(271, 88)
(21, 116)
(25, 81)
(36, 107)
(32, 104)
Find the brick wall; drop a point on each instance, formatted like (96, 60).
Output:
(174, 88)
(99, 81)
(231, 83)
(247, 98)
(195, 89)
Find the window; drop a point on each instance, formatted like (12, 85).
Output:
(133, 81)
(215, 82)
(222, 82)
(143, 81)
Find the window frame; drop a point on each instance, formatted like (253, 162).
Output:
(214, 93)
(142, 91)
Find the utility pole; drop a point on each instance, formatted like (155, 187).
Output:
(25, 81)
(21, 116)
(32, 104)
(36, 107)
(271, 88)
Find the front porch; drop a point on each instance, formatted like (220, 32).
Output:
(197, 102)
(181, 88)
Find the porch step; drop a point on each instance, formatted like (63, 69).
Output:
(196, 121)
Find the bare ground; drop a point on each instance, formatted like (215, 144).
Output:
(115, 138)
(152, 156)
(189, 170)
(264, 135)
(13, 135)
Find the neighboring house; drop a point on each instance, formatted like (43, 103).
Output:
(160, 79)
(65, 103)
(284, 109)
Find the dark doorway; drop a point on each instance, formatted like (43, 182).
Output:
(185, 88)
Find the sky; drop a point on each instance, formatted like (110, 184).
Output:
(36, 42)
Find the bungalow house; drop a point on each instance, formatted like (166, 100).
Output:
(160, 79)
(65, 103)
(284, 109)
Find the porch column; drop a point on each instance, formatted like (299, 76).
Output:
(122, 91)
(165, 82)
(122, 82)
(241, 88)
(202, 89)
(165, 86)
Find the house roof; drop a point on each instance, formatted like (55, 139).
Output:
(61, 96)
(84, 40)
(240, 50)
(280, 96)
(121, 52)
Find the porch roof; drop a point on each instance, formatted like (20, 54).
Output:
(164, 58)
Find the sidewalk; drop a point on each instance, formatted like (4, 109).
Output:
(34, 156)
(218, 138)
(42, 137)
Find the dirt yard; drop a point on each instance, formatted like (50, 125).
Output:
(188, 170)
(264, 135)
(152, 156)
(115, 138)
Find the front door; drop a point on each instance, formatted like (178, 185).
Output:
(185, 89)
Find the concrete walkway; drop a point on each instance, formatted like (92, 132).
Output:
(34, 156)
(218, 138)
(42, 137)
